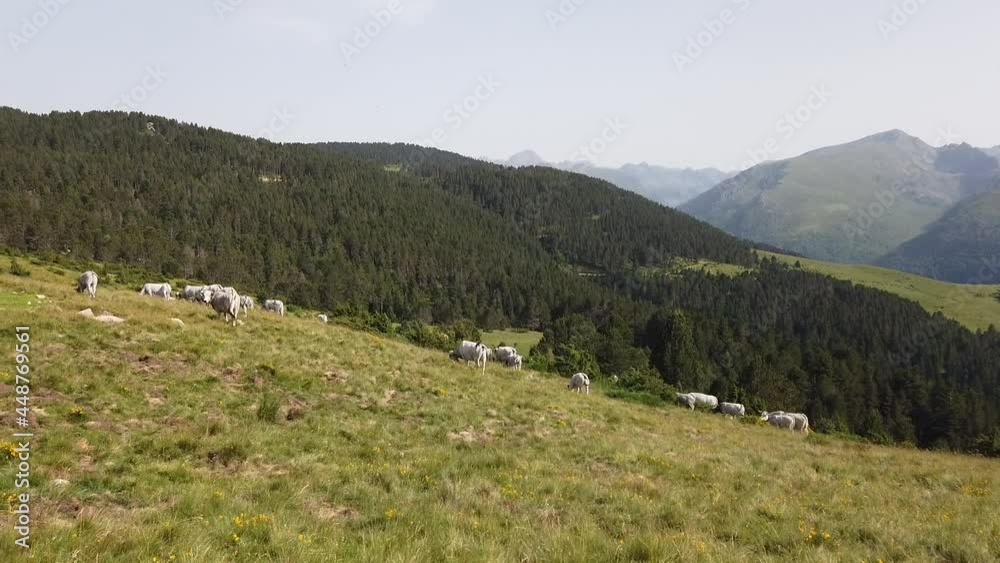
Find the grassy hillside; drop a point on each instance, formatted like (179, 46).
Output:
(523, 340)
(288, 440)
(961, 246)
(812, 204)
(972, 305)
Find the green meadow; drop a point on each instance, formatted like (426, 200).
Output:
(285, 439)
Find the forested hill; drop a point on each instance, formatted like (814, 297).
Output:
(579, 219)
(290, 221)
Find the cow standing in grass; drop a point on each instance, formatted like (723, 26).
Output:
(162, 290)
(471, 352)
(275, 306)
(227, 304)
(800, 421)
(87, 284)
(580, 383)
(732, 409)
(246, 304)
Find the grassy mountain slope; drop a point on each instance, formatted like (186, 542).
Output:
(381, 451)
(806, 204)
(972, 305)
(961, 246)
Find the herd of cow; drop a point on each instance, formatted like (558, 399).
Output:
(781, 419)
(228, 303)
(480, 353)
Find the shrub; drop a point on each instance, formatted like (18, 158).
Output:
(463, 330)
(18, 270)
(647, 381)
(426, 336)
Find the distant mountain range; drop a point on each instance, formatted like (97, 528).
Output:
(669, 186)
(888, 199)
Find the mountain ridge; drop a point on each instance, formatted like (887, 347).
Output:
(662, 184)
(854, 202)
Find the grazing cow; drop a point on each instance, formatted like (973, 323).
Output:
(709, 401)
(514, 362)
(191, 292)
(686, 400)
(275, 306)
(781, 420)
(87, 284)
(247, 304)
(579, 382)
(156, 290)
(471, 352)
(801, 420)
(227, 304)
(323, 318)
(732, 409)
(505, 352)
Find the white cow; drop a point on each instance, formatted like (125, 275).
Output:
(323, 318)
(87, 284)
(514, 362)
(710, 401)
(156, 290)
(247, 304)
(227, 304)
(191, 292)
(275, 306)
(505, 352)
(780, 420)
(471, 352)
(801, 420)
(579, 382)
(686, 400)
(732, 409)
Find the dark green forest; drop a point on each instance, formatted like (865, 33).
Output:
(423, 236)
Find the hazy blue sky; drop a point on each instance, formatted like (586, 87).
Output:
(556, 81)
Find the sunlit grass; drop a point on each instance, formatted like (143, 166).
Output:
(380, 451)
(975, 306)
